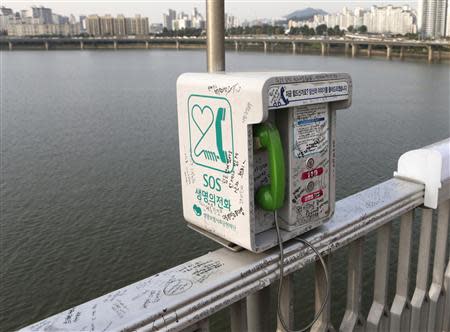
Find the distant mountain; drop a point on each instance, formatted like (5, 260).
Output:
(305, 14)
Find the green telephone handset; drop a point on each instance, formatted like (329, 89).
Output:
(271, 196)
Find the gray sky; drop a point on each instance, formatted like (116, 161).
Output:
(244, 9)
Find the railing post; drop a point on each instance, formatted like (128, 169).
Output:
(294, 48)
(353, 320)
(258, 310)
(378, 317)
(323, 324)
(238, 316)
(435, 314)
(446, 322)
(400, 312)
(215, 35)
(419, 301)
(287, 303)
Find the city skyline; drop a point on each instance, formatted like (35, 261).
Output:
(154, 10)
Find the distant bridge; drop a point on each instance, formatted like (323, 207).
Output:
(350, 46)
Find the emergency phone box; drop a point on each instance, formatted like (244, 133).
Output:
(252, 143)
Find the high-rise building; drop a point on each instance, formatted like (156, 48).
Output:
(447, 33)
(156, 28)
(107, 25)
(24, 29)
(42, 13)
(93, 25)
(231, 21)
(83, 23)
(137, 25)
(197, 20)
(431, 18)
(24, 13)
(120, 26)
(6, 11)
(380, 19)
(72, 19)
(169, 18)
(390, 19)
(141, 24)
(59, 19)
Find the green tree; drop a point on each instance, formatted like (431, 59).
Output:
(337, 31)
(350, 28)
(362, 29)
(321, 29)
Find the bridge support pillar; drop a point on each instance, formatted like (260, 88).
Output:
(236, 46)
(177, 45)
(294, 48)
(265, 47)
(354, 50)
(324, 47)
(81, 45)
(10, 46)
(347, 48)
(301, 48)
(430, 54)
(115, 45)
(388, 51)
(369, 50)
(402, 53)
(146, 45)
(46, 45)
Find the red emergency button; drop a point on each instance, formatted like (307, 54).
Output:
(312, 173)
(311, 196)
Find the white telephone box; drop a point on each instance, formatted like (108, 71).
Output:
(253, 143)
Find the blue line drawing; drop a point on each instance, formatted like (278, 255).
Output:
(219, 140)
(211, 132)
(203, 131)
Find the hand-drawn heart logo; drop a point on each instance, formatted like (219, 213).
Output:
(203, 119)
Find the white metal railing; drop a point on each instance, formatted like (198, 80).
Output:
(184, 297)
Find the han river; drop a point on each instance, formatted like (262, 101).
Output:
(90, 180)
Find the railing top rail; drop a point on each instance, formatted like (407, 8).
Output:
(188, 293)
(443, 147)
(192, 291)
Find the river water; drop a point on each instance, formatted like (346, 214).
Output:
(90, 183)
